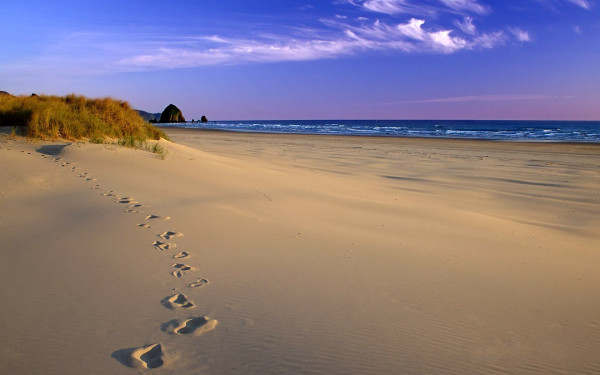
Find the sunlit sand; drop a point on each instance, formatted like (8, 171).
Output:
(315, 255)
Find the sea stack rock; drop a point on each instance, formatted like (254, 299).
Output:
(204, 119)
(171, 114)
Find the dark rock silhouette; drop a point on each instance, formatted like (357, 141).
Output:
(171, 114)
(204, 119)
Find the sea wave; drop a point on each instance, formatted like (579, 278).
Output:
(539, 131)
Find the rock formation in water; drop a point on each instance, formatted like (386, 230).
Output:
(204, 119)
(171, 114)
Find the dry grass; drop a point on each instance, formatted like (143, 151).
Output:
(76, 117)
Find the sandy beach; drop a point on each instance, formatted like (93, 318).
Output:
(270, 254)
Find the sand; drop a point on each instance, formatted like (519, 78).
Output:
(270, 254)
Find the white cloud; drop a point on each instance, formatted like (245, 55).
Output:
(466, 25)
(413, 29)
(216, 39)
(440, 41)
(335, 37)
(466, 5)
(242, 51)
(411, 36)
(520, 34)
(390, 6)
(427, 7)
(585, 4)
(479, 98)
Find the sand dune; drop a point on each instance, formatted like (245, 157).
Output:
(325, 255)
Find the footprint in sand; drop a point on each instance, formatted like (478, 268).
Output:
(149, 357)
(198, 283)
(133, 211)
(181, 255)
(162, 246)
(109, 193)
(156, 217)
(126, 200)
(144, 225)
(135, 205)
(197, 326)
(168, 235)
(181, 269)
(177, 301)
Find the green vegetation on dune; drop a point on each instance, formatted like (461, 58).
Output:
(75, 117)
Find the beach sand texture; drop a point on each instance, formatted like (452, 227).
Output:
(314, 254)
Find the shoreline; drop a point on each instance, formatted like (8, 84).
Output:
(372, 136)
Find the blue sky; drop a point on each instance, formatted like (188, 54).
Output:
(304, 59)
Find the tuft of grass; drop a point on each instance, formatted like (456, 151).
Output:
(75, 117)
(153, 146)
(160, 151)
(130, 141)
(99, 139)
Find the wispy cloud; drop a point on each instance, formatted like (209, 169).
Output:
(585, 4)
(520, 34)
(341, 39)
(478, 98)
(409, 26)
(427, 7)
(471, 6)
(466, 25)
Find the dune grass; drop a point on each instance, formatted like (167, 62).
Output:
(76, 117)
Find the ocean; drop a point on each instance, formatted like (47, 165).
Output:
(531, 131)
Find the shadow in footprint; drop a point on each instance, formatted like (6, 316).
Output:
(157, 217)
(52, 150)
(163, 246)
(170, 234)
(196, 325)
(181, 269)
(198, 283)
(169, 326)
(145, 357)
(177, 301)
(126, 200)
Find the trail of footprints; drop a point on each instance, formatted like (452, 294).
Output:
(152, 356)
